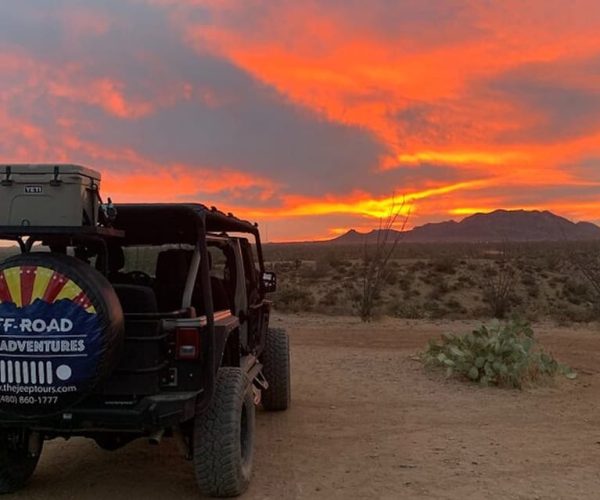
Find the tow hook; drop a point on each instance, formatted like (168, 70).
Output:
(261, 381)
(257, 393)
(260, 384)
(183, 443)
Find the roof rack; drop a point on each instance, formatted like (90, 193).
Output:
(14, 232)
(145, 223)
(156, 222)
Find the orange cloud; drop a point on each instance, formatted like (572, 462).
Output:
(104, 93)
(178, 183)
(497, 101)
(339, 62)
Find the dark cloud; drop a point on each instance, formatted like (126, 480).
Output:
(412, 177)
(205, 110)
(551, 194)
(555, 99)
(420, 24)
(585, 170)
(503, 195)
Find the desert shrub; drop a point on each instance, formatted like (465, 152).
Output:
(405, 282)
(293, 299)
(499, 289)
(588, 262)
(434, 309)
(553, 260)
(491, 271)
(445, 265)
(321, 268)
(533, 291)
(418, 265)
(455, 308)
(429, 278)
(406, 310)
(440, 288)
(578, 292)
(528, 279)
(376, 259)
(391, 277)
(331, 297)
(281, 267)
(501, 354)
(566, 313)
(465, 281)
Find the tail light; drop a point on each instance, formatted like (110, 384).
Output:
(187, 343)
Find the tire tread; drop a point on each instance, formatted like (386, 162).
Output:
(276, 369)
(216, 453)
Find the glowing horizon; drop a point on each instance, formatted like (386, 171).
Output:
(315, 116)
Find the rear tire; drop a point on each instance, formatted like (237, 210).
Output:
(17, 464)
(223, 438)
(276, 369)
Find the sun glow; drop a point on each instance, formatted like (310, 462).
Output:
(463, 157)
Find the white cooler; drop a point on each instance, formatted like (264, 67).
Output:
(48, 195)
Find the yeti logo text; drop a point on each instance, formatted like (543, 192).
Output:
(34, 190)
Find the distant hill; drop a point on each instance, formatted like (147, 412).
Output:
(498, 226)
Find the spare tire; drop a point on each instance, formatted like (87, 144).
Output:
(61, 333)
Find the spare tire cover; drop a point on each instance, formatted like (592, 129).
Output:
(61, 332)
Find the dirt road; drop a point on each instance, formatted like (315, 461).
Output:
(368, 422)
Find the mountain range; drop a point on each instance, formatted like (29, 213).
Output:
(497, 226)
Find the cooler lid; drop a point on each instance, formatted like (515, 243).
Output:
(49, 168)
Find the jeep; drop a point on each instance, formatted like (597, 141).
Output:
(151, 322)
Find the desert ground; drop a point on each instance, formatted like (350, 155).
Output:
(368, 421)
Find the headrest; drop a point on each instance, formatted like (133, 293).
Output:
(116, 258)
(173, 264)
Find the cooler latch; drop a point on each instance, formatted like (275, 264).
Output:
(7, 181)
(56, 181)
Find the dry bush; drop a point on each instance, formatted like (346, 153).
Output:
(376, 259)
(445, 265)
(589, 265)
(293, 299)
(498, 284)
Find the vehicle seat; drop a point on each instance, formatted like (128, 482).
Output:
(220, 296)
(172, 269)
(136, 298)
(116, 262)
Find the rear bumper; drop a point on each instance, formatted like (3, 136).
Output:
(149, 414)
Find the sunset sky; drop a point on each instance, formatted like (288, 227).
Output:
(312, 116)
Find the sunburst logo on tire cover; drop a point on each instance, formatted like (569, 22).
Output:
(23, 285)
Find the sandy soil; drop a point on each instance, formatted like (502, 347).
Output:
(368, 422)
